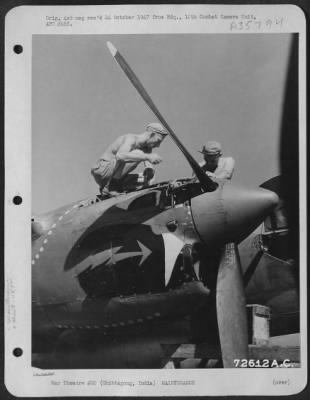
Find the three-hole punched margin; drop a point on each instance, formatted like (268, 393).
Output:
(18, 49)
(17, 352)
(17, 200)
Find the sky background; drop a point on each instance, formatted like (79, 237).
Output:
(208, 87)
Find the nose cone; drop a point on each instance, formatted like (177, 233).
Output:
(231, 213)
(246, 208)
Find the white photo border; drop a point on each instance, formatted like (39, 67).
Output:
(21, 378)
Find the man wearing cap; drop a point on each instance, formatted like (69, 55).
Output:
(112, 171)
(214, 164)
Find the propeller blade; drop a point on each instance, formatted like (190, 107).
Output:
(206, 183)
(231, 307)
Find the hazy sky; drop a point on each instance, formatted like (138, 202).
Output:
(210, 86)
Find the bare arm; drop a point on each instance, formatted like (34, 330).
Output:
(134, 155)
(225, 169)
(128, 153)
(147, 163)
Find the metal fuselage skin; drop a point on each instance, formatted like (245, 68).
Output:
(102, 264)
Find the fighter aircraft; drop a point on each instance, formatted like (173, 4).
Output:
(114, 278)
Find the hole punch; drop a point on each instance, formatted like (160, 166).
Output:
(17, 200)
(18, 49)
(17, 352)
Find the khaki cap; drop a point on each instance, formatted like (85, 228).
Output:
(156, 127)
(212, 148)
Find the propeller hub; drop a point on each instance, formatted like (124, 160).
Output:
(230, 213)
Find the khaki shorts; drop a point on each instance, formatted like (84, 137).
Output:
(115, 172)
(103, 172)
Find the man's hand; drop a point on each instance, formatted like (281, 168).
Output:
(154, 158)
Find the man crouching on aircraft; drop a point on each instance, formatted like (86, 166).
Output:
(214, 164)
(112, 171)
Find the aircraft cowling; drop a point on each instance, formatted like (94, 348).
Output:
(230, 213)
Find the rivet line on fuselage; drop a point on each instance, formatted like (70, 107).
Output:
(114, 325)
(49, 233)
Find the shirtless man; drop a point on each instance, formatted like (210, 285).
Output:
(112, 171)
(214, 164)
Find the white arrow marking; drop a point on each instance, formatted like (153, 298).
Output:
(104, 256)
(110, 256)
(145, 252)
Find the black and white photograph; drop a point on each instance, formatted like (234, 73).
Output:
(163, 161)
